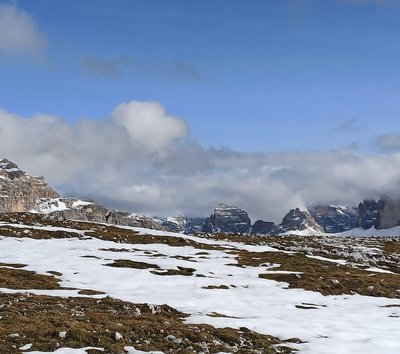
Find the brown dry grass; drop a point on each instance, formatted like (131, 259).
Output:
(391, 247)
(325, 277)
(25, 279)
(90, 322)
(216, 287)
(126, 263)
(180, 271)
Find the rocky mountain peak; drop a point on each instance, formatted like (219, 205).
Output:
(299, 220)
(10, 170)
(368, 214)
(6, 164)
(381, 214)
(227, 218)
(334, 218)
(20, 192)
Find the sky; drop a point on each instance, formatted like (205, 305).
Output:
(169, 107)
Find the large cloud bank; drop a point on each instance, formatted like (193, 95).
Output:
(142, 159)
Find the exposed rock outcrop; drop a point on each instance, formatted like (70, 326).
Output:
(334, 219)
(261, 227)
(381, 214)
(227, 218)
(131, 219)
(174, 224)
(194, 225)
(75, 209)
(368, 214)
(181, 224)
(389, 212)
(19, 192)
(298, 220)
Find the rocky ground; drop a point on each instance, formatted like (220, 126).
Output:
(66, 284)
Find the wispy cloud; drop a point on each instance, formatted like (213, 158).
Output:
(104, 68)
(19, 34)
(351, 125)
(116, 67)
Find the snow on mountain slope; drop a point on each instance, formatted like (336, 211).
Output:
(306, 232)
(49, 205)
(394, 231)
(356, 232)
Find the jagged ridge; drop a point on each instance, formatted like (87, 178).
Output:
(20, 192)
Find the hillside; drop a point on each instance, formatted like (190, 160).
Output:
(67, 284)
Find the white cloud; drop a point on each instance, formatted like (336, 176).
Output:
(137, 160)
(147, 124)
(19, 34)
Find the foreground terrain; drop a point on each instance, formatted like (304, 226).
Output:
(68, 284)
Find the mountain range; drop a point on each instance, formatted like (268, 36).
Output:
(20, 192)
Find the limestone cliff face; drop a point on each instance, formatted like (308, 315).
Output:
(381, 214)
(227, 218)
(368, 214)
(19, 192)
(389, 213)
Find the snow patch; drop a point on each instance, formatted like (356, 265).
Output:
(341, 324)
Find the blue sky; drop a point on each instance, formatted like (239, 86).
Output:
(252, 76)
(166, 107)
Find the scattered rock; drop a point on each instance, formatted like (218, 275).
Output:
(154, 308)
(118, 336)
(26, 347)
